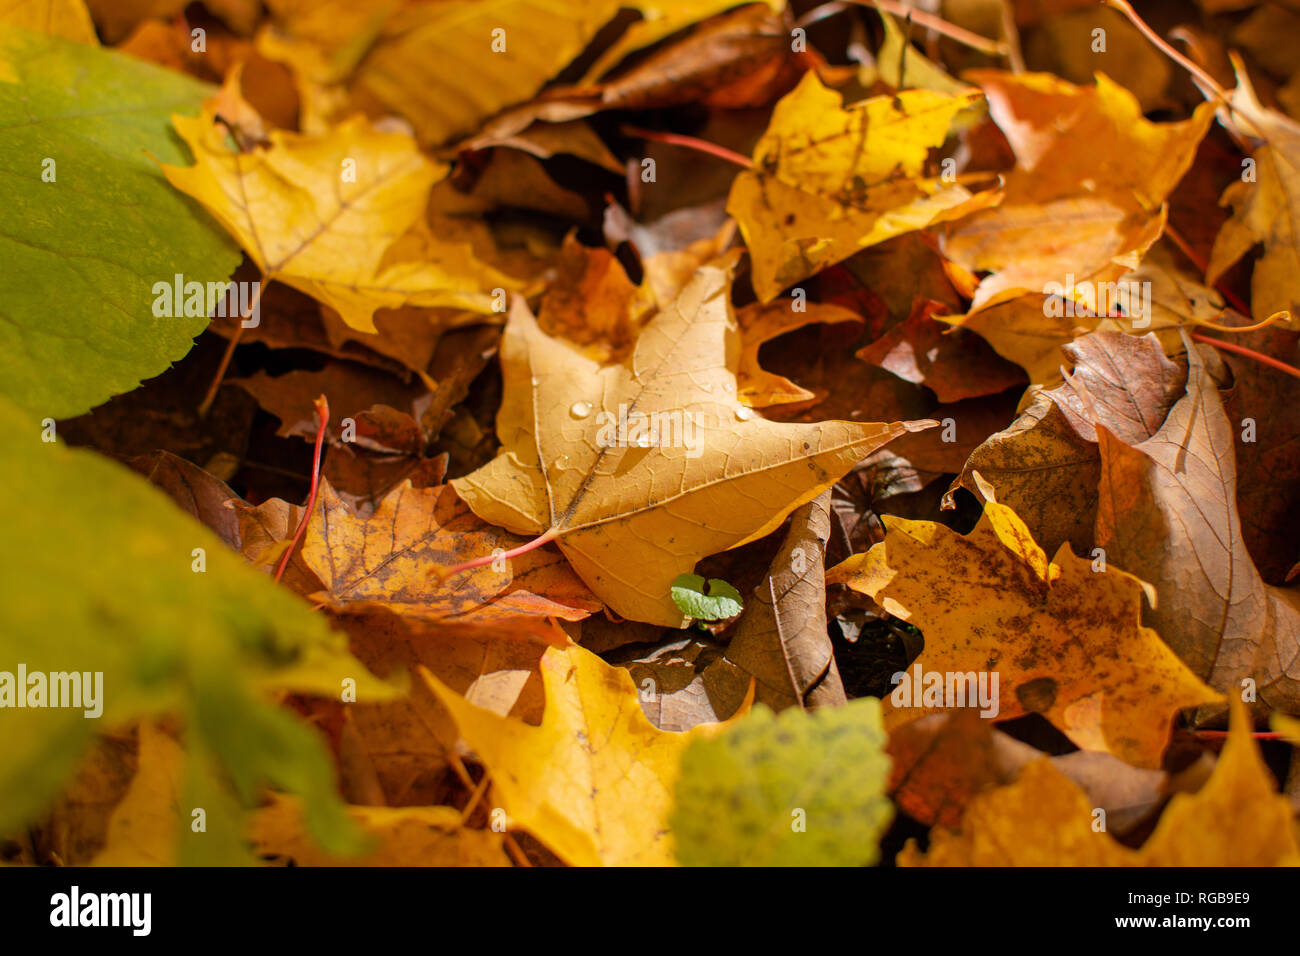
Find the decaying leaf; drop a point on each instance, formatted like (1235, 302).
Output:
(781, 638)
(385, 559)
(1046, 465)
(940, 763)
(1168, 505)
(991, 255)
(1060, 638)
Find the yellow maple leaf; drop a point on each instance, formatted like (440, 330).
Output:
(829, 180)
(1064, 640)
(337, 216)
(594, 781)
(639, 469)
(762, 322)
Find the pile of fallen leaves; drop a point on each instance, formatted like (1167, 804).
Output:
(585, 432)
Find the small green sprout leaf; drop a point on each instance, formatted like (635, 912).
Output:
(719, 603)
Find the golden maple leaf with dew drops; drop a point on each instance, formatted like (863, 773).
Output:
(640, 469)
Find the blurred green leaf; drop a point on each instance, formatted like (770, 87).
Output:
(805, 788)
(98, 577)
(82, 253)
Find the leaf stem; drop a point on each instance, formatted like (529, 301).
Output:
(1210, 83)
(1248, 353)
(1241, 307)
(689, 142)
(939, 25)
(1282, 316)
(323, 413)
(445, 573)
(1202, 265)
(1202, 78)
(206, 405)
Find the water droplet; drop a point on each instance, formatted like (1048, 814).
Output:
(536, 381)
(580, 409)
(561, 463)
(744, 413)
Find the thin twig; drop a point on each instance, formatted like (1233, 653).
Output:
(515, 853)
(206, 405)
(822, 12)
(322, 413)
(458, 766)
(474, 798)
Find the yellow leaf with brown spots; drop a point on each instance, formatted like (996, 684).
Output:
(384, 559)
(1061, 639)
(828, 180)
